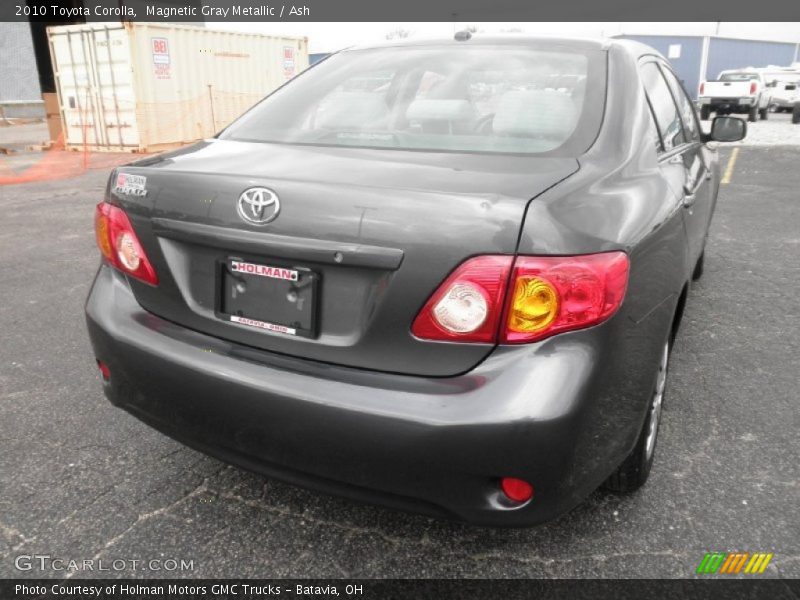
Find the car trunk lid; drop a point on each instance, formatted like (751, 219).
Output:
(377, 230)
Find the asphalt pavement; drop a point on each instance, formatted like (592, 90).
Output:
(80, 479)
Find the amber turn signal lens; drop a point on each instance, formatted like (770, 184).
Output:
(101, 233)
(534, 306)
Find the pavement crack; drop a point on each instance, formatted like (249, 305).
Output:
(11, 533)
(203, 487)
(83, 507)
(257, 504)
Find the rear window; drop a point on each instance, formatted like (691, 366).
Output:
(504, 99)
(738, 76)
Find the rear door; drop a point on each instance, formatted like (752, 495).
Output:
(698, 161)
(683, 160)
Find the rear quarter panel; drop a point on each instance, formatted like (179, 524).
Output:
(620, 200)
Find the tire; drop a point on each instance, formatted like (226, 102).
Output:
(753, 114)
(763, 113)
(635, 469)
(705, 112)
(699, 266)
(796, 113)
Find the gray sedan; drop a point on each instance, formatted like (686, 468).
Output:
(441, 276)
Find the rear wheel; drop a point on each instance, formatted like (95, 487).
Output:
(705, 112)
(635, 469)
(796, 113)
(763, 113)
(753, 115)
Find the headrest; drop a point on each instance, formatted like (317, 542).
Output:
(428, 109)
(532, 113)
(353, 110)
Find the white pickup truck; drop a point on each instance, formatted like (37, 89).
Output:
(785, 86)
(742, 91)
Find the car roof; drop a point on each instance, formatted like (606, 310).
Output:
(581, 43)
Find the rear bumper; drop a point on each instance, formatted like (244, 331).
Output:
(560, 414)
(785, 102)
(731, 103)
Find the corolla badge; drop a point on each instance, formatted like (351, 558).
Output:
(258, 205)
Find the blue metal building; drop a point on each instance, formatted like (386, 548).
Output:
(698, 58)
(316, 57)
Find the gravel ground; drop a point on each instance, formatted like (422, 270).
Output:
(81, 479)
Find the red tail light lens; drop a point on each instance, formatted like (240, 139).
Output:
(702, 88)
(119, 245)
(552, 294)
(493, 299)
(753, 87)
(467, 307)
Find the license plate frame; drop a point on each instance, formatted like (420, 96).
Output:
(263, 302)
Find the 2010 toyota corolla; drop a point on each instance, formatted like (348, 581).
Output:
(443, 276)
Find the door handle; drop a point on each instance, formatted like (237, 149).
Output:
(690, 195)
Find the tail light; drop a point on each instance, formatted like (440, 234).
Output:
(555, 294)
(494, 299)
(753, 87)
(119, 245)
(467, 307)
(702, 88)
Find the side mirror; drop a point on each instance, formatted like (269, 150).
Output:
(727, 129)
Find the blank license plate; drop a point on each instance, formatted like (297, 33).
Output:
(270, 297)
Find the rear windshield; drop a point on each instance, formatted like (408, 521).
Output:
(505, 99)
(738, 76)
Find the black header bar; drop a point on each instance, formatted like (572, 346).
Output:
(398, 10)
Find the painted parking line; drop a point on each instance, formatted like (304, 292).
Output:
(726, 177)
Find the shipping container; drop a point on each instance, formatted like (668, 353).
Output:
(148, 86)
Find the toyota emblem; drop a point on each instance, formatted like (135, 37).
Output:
(258, 205)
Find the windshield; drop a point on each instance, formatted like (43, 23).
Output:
(508, 99)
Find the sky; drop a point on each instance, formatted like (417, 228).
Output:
(329, 37)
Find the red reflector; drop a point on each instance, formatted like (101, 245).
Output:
(516, 489)
(702, 88)
(753, 87)
(104, 370)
